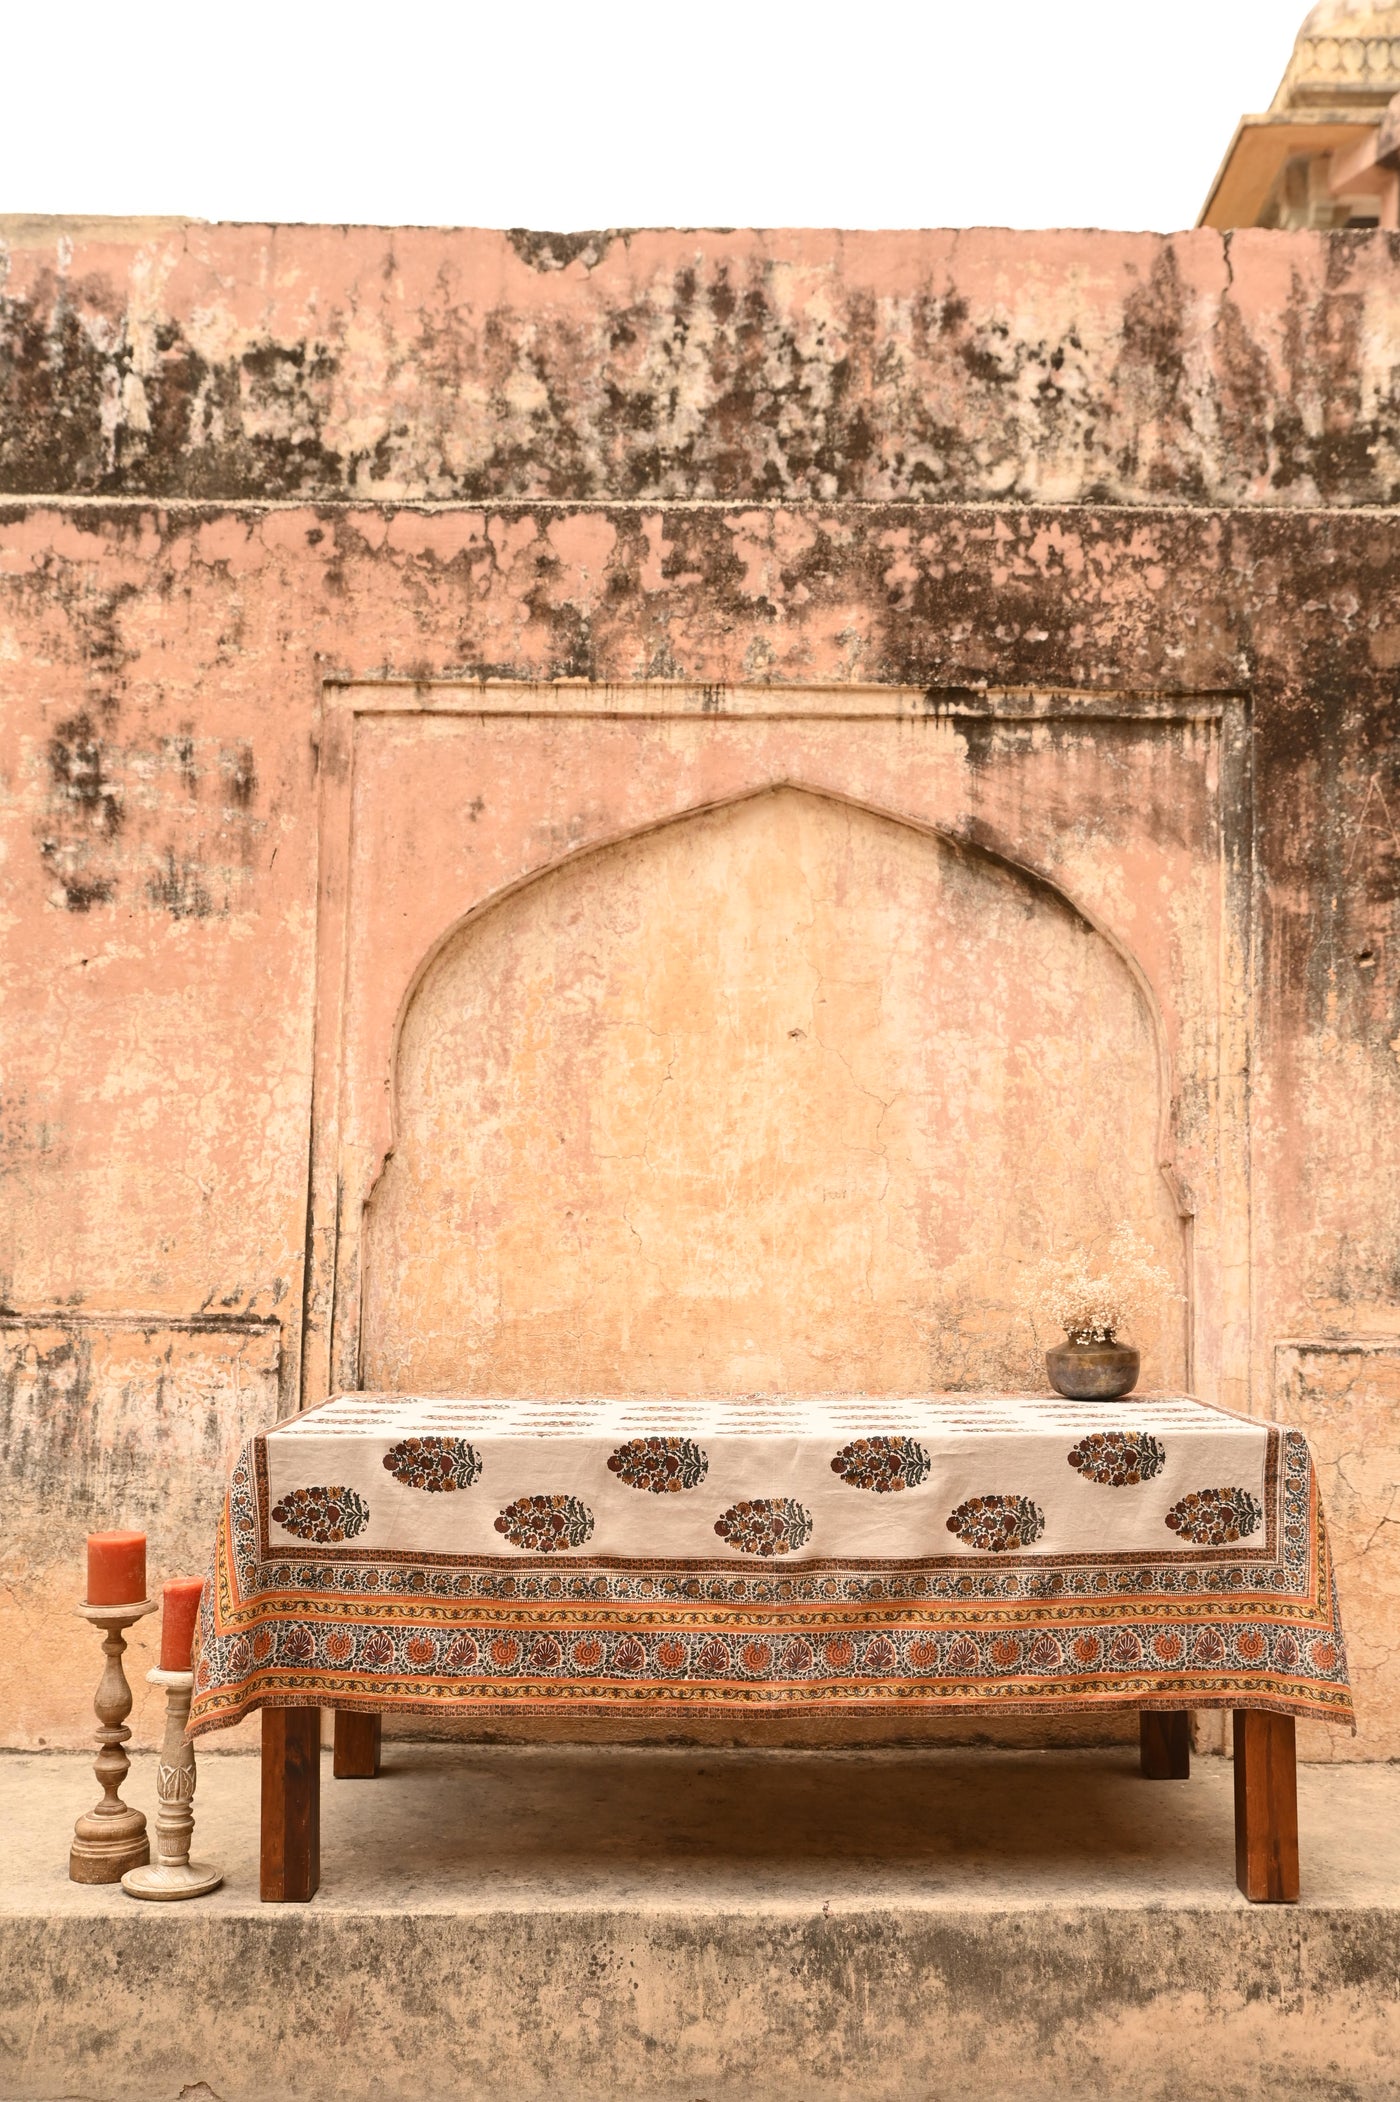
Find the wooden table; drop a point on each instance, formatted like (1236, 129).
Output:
(1266, 1793)
(678, 1561)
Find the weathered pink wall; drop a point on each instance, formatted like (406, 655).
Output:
(1125, 473)
(782, 1097)
(254, 362)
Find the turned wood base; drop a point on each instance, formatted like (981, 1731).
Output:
(111, 1838)
(172, 1875)
(104, 1849)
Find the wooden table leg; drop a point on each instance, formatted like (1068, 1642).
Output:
(290, 1867)
(1266, 1807)
(1165, 1741)
(356, 1755)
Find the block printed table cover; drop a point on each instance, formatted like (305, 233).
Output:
(956, 1554)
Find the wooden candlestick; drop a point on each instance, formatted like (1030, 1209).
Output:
(172, 1874)
(111, 1837)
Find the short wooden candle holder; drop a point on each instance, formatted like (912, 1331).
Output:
(172, 1874)
(111, 1837)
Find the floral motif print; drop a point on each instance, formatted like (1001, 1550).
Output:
(882, 1464)
(545, 1525)
(770, 1525)
(1215, 1517)
(662, 1465)
(1119, 1459)
(880, 1657)
(462, 1655)
(325, 1515)
(997, 1524)
(434, 1464)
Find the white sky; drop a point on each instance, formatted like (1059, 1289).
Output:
(951, 113)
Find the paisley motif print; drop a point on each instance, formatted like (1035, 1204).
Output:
(773, 1525)
(662, 1465)
(326, 1515)
(434, 1464)
(1215, 1517)
(882, 1464)
(545, 1525)
(997, 1524)
(1119, 1459)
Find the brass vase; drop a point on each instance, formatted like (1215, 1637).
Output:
(1093, 1371)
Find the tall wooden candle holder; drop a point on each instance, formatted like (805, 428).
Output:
(172, 1874)
(111, 1837)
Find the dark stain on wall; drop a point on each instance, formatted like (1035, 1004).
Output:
(714, 381)
(178, 886)
(84, 815)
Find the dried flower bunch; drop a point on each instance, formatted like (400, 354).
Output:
(1096, 1306)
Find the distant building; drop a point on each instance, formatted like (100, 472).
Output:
(1327, 152)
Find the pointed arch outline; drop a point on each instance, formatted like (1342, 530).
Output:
(1033, 879)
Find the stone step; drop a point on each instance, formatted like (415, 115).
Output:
(503, 1924)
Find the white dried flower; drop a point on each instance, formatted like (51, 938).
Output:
(1094, 1307)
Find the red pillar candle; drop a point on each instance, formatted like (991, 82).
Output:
(116, 1573)
(179, 1612)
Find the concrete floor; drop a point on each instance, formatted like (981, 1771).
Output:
(695, 1926)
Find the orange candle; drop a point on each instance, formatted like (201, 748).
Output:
(116, 1573)
(180, 1610)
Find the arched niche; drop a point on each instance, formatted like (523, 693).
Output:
(784, 1095)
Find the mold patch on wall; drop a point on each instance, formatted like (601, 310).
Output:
(113, 1420)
